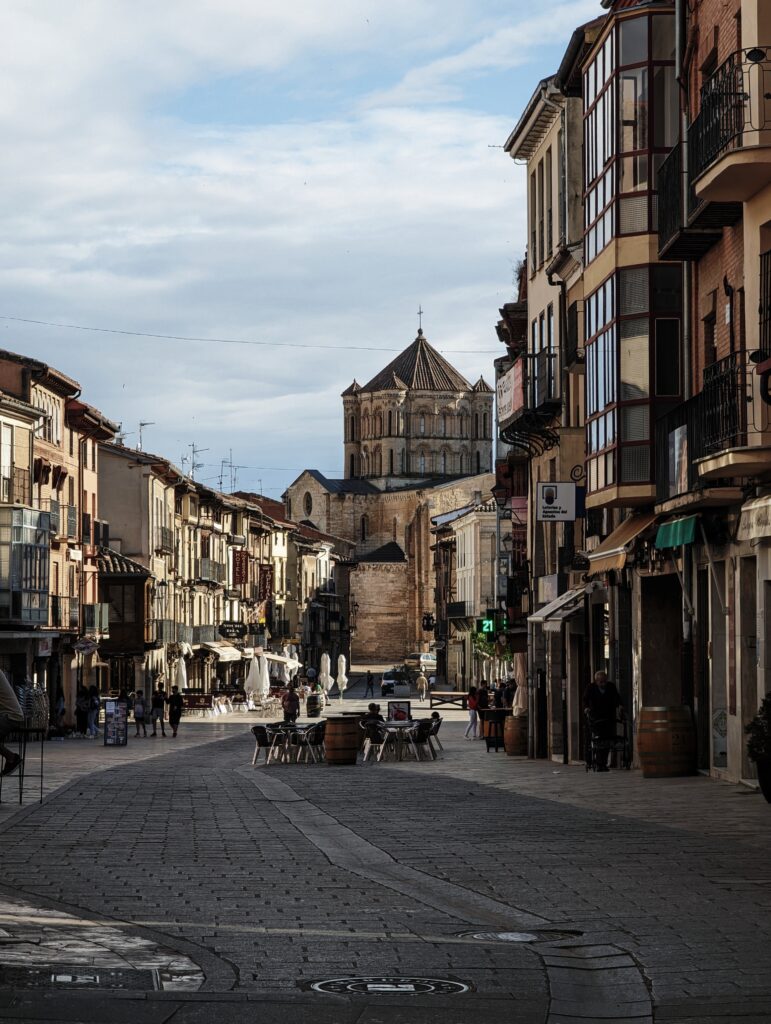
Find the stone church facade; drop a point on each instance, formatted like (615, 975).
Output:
(417, 444)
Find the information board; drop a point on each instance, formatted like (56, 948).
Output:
(115, 723)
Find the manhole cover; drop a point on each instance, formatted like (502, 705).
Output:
(539, 936)
(391, 986)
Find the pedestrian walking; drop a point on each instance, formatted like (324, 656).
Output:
(175, 709)
(81, 711)
(483, 706)
(158, 710)
(94, 707)
(370, 690)
(421, 684)
(601, 705)
(11, 717)
(473, 718)
(140, 713)
(290, 703)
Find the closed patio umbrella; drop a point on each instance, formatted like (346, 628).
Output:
(252, 681)
(181, 677)
(519, 708)
(325, 677)
(342, 678)
(264, 687)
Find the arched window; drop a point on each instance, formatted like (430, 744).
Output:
(390, 423)
(364, 528)
(365, 426)
(391, 460)
(443, 424)
(351, 465)
(476, 425)
(394, 529)
(422, 422)
(351, 428)
(443, 466)
(379, 463)
(404, 461)
(485, 426)
(479, 463)
(378, 425)
(422, 463)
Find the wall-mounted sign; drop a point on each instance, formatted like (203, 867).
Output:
(510, 393)
(556, 502)
(232, 630)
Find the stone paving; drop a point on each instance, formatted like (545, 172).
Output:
(267, 880)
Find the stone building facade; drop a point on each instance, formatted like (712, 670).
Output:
(417, 443)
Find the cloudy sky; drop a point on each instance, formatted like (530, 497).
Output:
(296, 177)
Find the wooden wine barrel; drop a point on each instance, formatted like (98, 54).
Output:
(515, 736)
(341, 739)
(666, 742)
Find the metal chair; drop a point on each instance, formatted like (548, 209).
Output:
(420, 738)
(311, 742)
(262, 740)
(434, 735)
(375, 738)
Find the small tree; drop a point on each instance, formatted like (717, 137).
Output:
(759, 733)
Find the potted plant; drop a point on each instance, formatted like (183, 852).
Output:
(759, 745)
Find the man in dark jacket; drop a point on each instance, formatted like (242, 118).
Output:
(601, 704)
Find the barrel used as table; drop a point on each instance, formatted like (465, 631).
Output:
(515, 736)
(341, 740)
(666, 742)
(313, 705)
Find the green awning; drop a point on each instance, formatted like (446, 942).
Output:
(676, 533)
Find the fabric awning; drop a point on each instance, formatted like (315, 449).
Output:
(755, 522)
(558, 610)
(224, 651)
(613, 551)
(677, 532)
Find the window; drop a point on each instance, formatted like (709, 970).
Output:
(391, 462)
(422, 464)
(364, 531)
(307, 503)
(540, 214)
(549, 210)
(667, 358)
(533, 225)
(390, 423)
(351, 472)
(479, 463)
(422, 422)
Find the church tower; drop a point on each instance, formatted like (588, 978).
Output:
(418, 419)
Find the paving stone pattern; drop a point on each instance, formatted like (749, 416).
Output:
(669, 882)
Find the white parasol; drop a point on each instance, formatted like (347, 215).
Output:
(252, 681)
(264, 688)
(519, 707)
(342, 678)
(181, 678)
(325, 678)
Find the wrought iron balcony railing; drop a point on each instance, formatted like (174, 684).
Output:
(164, 541)
(734, 102)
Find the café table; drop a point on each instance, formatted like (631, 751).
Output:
(399, 728)
(282, 750)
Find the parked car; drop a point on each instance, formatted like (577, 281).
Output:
(421, 662)
(395, 683)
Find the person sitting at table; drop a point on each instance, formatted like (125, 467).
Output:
(290, 704)
(508, 693)
(373, 715)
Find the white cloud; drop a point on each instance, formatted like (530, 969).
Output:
(330, 231)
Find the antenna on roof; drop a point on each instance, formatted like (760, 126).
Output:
(142, 425)
(193, 464)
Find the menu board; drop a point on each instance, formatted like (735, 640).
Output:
(115, 723)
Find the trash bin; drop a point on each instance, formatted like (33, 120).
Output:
(313, 705)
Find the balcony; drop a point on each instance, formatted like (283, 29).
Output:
(459, 610)
(164, 540)
(64, 612)
(712, 438)
(731, 135)
(687, 226)
(96, 619)
(165, 631)
(209, 571)
(16, 487)
(205, 634)
(544, 381)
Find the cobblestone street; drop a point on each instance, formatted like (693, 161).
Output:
(182, 876)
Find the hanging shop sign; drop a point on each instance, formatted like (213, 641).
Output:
(232, 630)
(556, 502)
(240, 568)
(266, 582)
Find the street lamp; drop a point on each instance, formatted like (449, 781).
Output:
(500, 493)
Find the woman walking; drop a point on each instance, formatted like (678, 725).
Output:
(94, 707)
(158, 711)
(471, 704)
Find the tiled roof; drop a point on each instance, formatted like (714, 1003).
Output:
(482, 386)
(419, 368)
(390, 552)
(352, 486)
(352, 389)
(113, 563)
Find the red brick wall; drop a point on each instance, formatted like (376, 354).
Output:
(713, 23)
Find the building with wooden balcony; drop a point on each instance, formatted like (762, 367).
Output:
(714, 449)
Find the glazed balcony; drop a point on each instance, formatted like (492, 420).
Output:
(731, 136)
